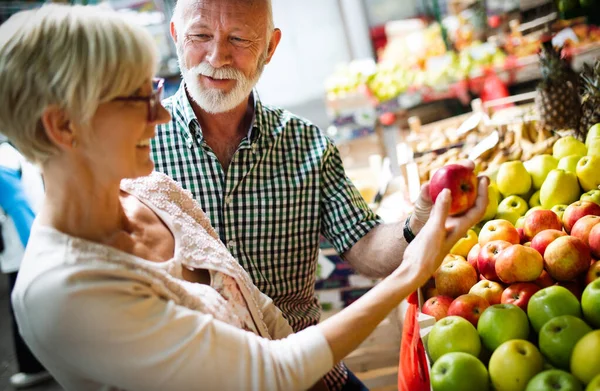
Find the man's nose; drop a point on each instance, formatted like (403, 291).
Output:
(219, 54)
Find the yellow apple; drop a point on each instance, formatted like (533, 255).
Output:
(569, 163)
(513, 179)
(559, 210)
(560, 187)
(568, 146)
(464, 244)
(538, 167)
(513, 203)
(534, 200)
(588, 172)
(593, 137)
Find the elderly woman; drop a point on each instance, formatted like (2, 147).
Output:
(124, 284)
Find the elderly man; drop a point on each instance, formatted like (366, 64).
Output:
(270, 181)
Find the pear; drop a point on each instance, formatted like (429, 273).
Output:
(560, 187)
(594, 147)
(593, 135)
(588, 172)
(538, 167)
(534, 200)
(569, 163)
(568, 146)
(492, 206)
(513, 179)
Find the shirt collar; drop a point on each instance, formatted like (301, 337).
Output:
(188, 117)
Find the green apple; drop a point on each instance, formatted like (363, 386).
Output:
(594, 385)
(493, 199)
(509, 215)
(569, 163)
(538, 167)
(453, 334)
(590, 303)
(559, 210)
(588, 172)
(592, 196)
(513, 203)
(560, 187)
(534, 200)
(566, 146)
(513, 179)
(459, 371)
(558, 337)
(585, 360)
(513, 364)
(500, 323)
(551, 302)
(554, 380)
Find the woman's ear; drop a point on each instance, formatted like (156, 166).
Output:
(58, 128)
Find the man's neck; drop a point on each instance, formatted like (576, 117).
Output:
(231, 125)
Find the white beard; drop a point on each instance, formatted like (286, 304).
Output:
(213, 100)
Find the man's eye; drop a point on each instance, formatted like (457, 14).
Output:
(238, 39)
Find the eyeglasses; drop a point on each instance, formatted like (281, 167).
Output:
(153, 99)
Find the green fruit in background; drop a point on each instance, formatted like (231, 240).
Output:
(538, 167)
(549, 303)
(500, 323)
(592, 135)
(567, 5)
(558, 337)
(592, 196)
(459, 371)
(590, 303)
(554, 380)
(513, 179)
(509, 215)
(493, 200)
(513, 364)
(534, 201)
(567, 146)
(585, 360)
(569, 163)
(559, 210)
(560, 187)
(594, 384)
(588, 172)
(453, 334)
(513, 203)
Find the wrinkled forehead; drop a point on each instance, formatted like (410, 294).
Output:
(248, 14)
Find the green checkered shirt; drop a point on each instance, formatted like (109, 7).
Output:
(285, 186)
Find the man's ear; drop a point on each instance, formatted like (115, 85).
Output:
(173, 32)
(275, 38)
(58, 127)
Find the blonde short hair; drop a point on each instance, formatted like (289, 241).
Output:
(75, 57)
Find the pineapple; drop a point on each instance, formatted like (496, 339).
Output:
(590, 97)
(557, 99)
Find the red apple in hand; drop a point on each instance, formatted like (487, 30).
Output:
(577, 210)
(462, 183)
(498, 230)
(486, 263)
(544, 280)
(519, 263)
(540, 220)
(469, 307)
(437, 306)
(489, 290)
(583, 227)
(593, 273)
(544, 238)
(594, 240)
(519, 294)
(567, 257)
(473, 255)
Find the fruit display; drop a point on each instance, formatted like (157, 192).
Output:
(525, 280)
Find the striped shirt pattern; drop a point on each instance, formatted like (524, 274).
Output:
(285, 186)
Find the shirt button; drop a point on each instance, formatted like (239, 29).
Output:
(231, 244)
(228, 200)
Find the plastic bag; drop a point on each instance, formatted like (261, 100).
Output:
(413, 370)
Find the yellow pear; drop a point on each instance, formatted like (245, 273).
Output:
(534, 200)
(538, 167)
(592, 135)
(513, 179)
(568, 146)
(569, 163)
(560, 187)
(464, 244)
(492, 206)
(588, 172)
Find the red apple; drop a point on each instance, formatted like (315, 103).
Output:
(518, 263)
(519, 294)
(577, 210)
(583, 227)
(544, 238)
(573, 286)
(469, 307)
(455, 278)
(498, 230)
(567, 257)
(473, 255)
(540, 220)
(453, 257)
(489, 290)
(544, 280)
(593, 273)
(462, 183)
(486, 263)
(437, 306)
(594, 240)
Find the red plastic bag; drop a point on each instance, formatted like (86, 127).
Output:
(413, 370)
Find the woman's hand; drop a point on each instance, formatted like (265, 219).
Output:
(426, 252)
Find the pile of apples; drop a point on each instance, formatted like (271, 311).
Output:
(517, 304)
